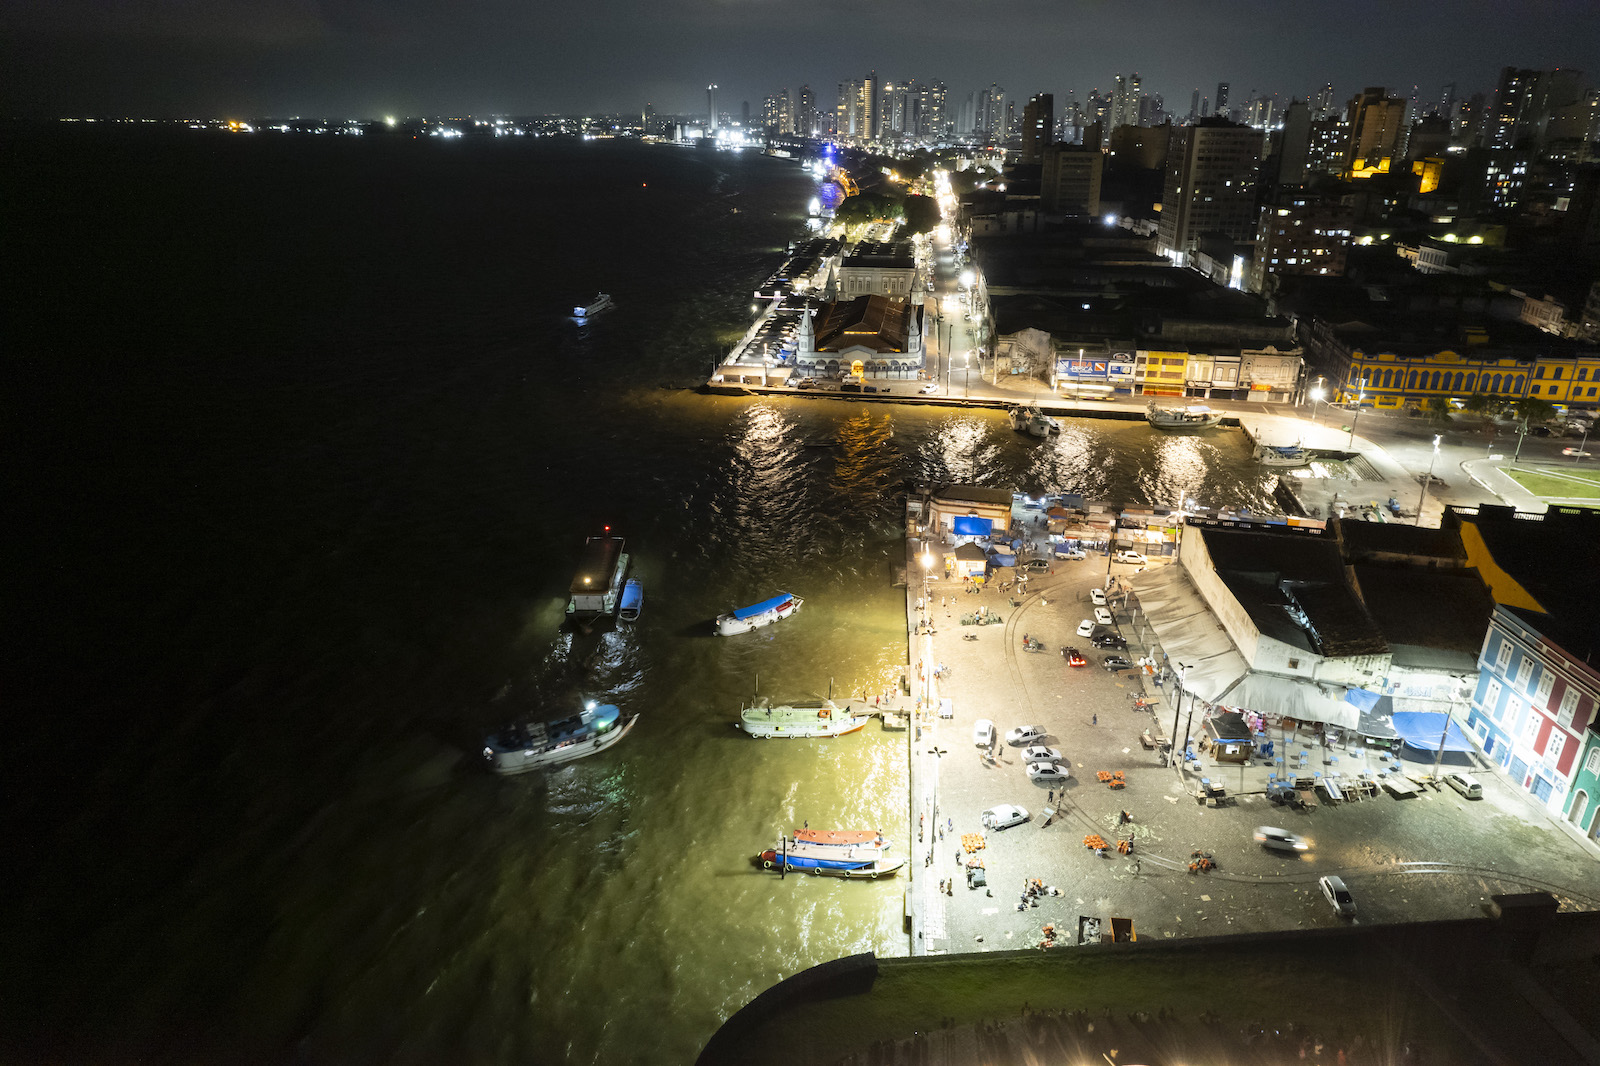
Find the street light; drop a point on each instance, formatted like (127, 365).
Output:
(1360, 398)
(1317, 395)
(1578, 456)
(1437, 437)
(966, 381)
(1177, 704)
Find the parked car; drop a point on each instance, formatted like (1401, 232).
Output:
(929, 389)
(1337, 895)
(1004, 816)
(1037, 566)
(1129, 557)
(1097, 597)
(1074, 657)
(1048, 771)
(806, 383)
(1086, 627)
(947, 707)
(850, 386)
(1102, 615)
(983, 733)
(1464, 785)
(1275, 839)
(1115, 663)
(1071, 553)
(1110, 640)
(1040, 754)
(1025, 734)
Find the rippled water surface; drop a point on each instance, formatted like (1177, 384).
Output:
(306, 456)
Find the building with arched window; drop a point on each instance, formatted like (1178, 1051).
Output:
(884, 334)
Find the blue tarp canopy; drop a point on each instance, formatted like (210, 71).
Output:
(999, 559)
(1422, 729)
(1361, 698)
(757, 608)
(970, 526)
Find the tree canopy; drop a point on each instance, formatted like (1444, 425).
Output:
(921, 213)
(868, 207)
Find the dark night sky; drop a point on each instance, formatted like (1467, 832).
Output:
(367, 58)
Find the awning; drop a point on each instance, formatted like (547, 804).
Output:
(1288, 697)
(971, 526)
(1189, 632)
(1423, 729)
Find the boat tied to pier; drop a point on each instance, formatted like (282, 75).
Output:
(1282, 455)
(596, 588)
(819, 718)
(1028, 418)
(841, 837)
(855, 862)
(743, 620)
(632, 601)
(524, 746)
(1197, 416)
(601, 302)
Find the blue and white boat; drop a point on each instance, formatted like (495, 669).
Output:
(1282, 455)
(830, 860)
(757, 615)
(632, 601)
(525, 746)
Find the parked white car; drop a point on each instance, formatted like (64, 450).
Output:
(1004, 816)
(1097, 597)
(1102, 615)
(1337, 895)
(1464, 785)
(929, 389)
(1025, 734)
(1130, 557)
(1040, 754)
(1052, 772)
(1071, 553)
(983, 733)
(1086, 627)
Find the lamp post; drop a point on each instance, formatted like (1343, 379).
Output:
(966, 380)
(1360, 398)
(1317, 394)
(1437, 437)
(1177, 704)
(1578, 456)
(1522, 435)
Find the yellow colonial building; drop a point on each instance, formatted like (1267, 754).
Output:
(1391, 379)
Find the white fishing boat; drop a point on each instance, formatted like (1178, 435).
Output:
(601, 302)
(820, 718)
(1027, 418)
(1193, 417)
(779, 607)
(525, 746)
(1281, 455)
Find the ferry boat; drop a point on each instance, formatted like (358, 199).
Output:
(1194, 417)
(525, 746)
(601, 302)
(1027, 418)
(1282, 455)
(632, 601)
(792, 856)
(822, 718)
(842, 837)
(596, 588)
(781, 606)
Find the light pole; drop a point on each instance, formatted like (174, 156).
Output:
(1177, 705)
(1317, 394)
(966, 380)
(1437, 437)
(1360, 398)
(1578, 457)
(1522, 435)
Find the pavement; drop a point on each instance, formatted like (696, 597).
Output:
(1434, 855)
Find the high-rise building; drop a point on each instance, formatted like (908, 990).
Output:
(649, 120)
(711, 107)
(1295, 145)
(1038, 126)
(967, 121)
(1377, 132)
(776, 115)
(1152, 109)
(1210, 185)
(1297, 235)
(1324, 102)
(936, 112)
(1125, 101)
(990, 118)
(1070, 179)
(1524, 102)
(1222, 99)
(1194, 105)
(870, 105)
(806, 118)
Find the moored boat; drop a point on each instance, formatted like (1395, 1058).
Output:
(757, 615)
(601, 302)
(525, 746)
(841, 836)
(1282, 455)
(1028, 418)
(786, 857)
(632, 600)
(597, 586)
(818, 718)
(1196, 416)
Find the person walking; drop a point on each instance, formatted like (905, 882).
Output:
(1094, 719)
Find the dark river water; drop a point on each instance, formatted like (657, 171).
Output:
(300, 453)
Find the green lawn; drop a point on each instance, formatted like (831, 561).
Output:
(1553, 481)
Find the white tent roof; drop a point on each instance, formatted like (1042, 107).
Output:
(1217, 673)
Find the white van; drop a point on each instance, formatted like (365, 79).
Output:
(947, 707)
(1464, 785)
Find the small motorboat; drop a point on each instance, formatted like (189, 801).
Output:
(765, 613)
(632, 600)
(601, 302)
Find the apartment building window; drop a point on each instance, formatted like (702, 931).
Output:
(1524, 672)
(1593, 764)
(1530, 732)
(1569, 708)
(1553, 750)
(1547, 681)
(1491, 699)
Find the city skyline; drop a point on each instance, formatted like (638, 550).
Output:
(175, 58)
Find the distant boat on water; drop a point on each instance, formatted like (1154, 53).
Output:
(1193, 417)
(632, 601)
(525, 746)
(601, 302)
(822, 718)
(1028, 418)
(743, 620)
(1282, 455)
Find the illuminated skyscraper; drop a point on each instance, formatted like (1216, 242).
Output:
(1377, 125)
(1038, 126)
(711, 107)
(1210, 185)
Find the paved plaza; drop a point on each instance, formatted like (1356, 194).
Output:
(1433, 855)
